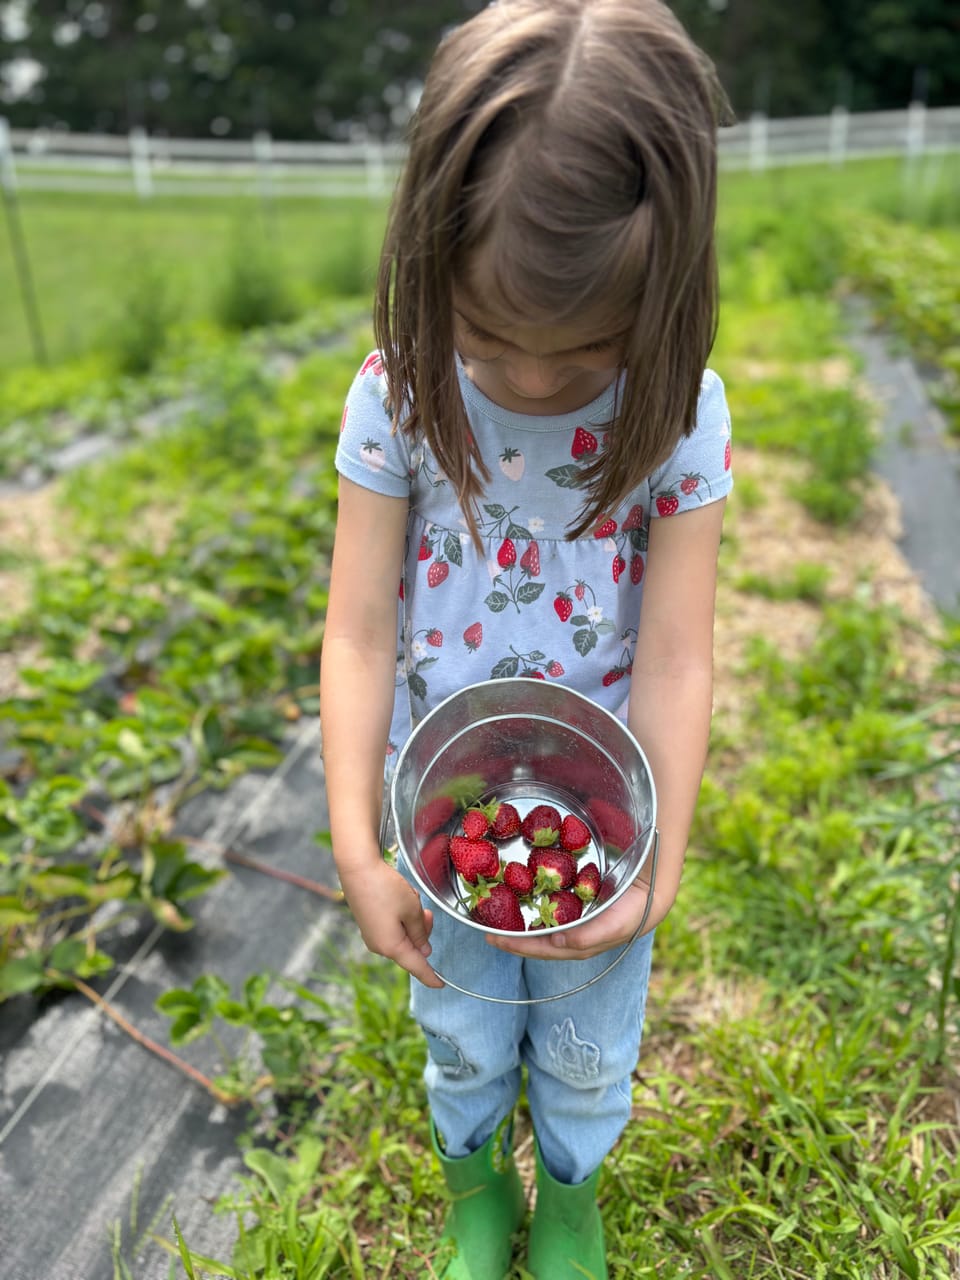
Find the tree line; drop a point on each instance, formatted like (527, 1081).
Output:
(336, 68)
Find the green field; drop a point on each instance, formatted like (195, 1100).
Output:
(795, 1106)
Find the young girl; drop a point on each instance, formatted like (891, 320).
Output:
(536, 457)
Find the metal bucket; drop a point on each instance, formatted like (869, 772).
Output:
(527, 742)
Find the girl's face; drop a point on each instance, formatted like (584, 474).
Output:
(538, 369)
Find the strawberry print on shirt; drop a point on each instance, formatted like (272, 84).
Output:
(532, 603)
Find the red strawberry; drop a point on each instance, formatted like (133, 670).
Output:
(634, 519)
(727, 456)
(497, 908)
(476, 824)
(506, 823)
(689, 482)
(606, 529)
(473, 636)
(435, 638)
(668, 504)
(580, 590)
(554, 668)
(619, 564)
(574, 834)
(587, 884)
(400, 593)
(583, 442)
(541, 826)
(533, 675)
(561, 908)
(518, 877)
(437, 573)
(617, 673)
(474, 858)
(563, 606)
(530, 560)
(507, 555)
(636, 568)
(553, 868)
(426, 551)
(374, 363)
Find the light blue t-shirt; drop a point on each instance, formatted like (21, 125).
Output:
(533, 603)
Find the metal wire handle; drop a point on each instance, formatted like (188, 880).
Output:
(562, 995)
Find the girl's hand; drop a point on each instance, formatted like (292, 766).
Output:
(391, 919)
(613, 927)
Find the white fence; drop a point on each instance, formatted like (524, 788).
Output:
(154, 165)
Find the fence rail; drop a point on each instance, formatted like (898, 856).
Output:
(153, 165)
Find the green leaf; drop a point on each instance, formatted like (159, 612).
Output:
(584, 641)
(453, 549)
(567, 477)
(504, 668)
(497, 601)
(12, 912)
(22, 974)
(529, 592)
(417, 685)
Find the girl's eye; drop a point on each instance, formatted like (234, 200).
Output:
(478, 333)
(601, 346)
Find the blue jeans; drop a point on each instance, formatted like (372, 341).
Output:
(580, 1052)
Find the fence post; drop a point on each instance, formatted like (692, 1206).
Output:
(916, 129)
(758, 141)
(839, 130)
(140, 163)
(374, 166)
(8, 170)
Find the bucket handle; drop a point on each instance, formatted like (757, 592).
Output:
(562, 995)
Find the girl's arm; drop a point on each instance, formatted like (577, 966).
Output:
(671, 697)
(357, 683)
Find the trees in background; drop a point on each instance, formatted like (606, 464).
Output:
(308, 68)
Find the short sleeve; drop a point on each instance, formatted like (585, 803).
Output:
(698, 471)
(369, 452)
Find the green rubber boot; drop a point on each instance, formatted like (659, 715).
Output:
(487, 1207)
(566, 1234)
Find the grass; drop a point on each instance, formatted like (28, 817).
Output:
(81, 271)
(793, 1105)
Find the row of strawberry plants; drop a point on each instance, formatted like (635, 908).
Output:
(203, 642)
(45, 409)
(912, 280)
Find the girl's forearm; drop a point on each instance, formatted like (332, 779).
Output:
(670, 716)
(356, 699)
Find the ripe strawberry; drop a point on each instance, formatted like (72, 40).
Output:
(574, 834)
(580, 590)
(553, 869)
(530, 560)
(496, 906)
(435, 638)
(506, 822)
(587, 884)
(563, 606)
(507, 555)
(668, 504)
(634, 519)
(437, 573)
(619, 564)
(606, 529)
(554, 668)
(612, 676)
(425, 551)
(541, 826)
(518, 877)
(475, 824)
(561, 908)
(636, 568)
(583, 442)
(689, 482)
(533, 675)
(727, 456)
(474, 858)
(473, 636)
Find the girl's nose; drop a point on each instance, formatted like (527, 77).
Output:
(534, 377)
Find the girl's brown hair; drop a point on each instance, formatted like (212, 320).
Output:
(570, 147)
